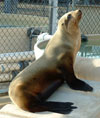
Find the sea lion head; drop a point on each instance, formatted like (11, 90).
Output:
(70, 21)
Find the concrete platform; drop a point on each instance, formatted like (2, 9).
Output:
(88, 104)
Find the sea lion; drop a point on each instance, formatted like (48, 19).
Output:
(38, 81)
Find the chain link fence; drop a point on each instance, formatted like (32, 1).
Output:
(22, 20)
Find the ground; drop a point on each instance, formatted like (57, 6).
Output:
(4, 100)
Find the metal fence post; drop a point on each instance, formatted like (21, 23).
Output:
(73, 4)
(53, 14)
(10, 6)
(7, 6)
(14, 5)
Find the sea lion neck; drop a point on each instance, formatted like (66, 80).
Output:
(58, 40)
(61, 33)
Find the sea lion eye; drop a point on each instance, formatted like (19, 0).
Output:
(62, 24)
(69, 16)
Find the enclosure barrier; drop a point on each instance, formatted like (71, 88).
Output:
(4, 68)
(16, 57)
(12, 63)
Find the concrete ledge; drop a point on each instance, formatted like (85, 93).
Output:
(93, 36)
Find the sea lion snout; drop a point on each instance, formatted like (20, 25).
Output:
(79, 13)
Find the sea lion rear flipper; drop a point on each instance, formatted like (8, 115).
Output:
(57, 107)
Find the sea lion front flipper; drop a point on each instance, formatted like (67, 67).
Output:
(73, 82)
(80, 85)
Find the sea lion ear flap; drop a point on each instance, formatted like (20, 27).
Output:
(66, 22)
(68, 19)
